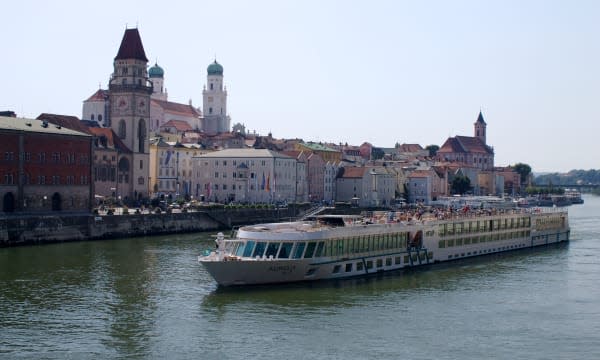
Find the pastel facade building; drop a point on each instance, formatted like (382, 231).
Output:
(245, 175)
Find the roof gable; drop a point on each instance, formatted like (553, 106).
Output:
(131, 46)
(66, 121)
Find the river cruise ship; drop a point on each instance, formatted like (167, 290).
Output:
(340, 246)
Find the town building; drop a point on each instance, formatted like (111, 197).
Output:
(245, 176)
(96, 108)
(365, 186)
(472, 151)
(44, 167)
(172, 168)
(326, 153)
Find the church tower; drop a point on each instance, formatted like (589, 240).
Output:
(157, 77)
(214, 101)
(129, 94)
(480, 126)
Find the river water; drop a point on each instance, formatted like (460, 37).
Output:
(148, 298)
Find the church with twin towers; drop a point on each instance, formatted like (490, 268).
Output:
(131, 72)
(135, 107)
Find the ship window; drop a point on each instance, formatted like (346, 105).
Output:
(467, 241)
(388, 261)
(349, 267)
(272, 249)
(299, 250)
(240, 249)
(369, 264)
(359, 266)
(405, 259)
(286, 250)
(442, 244)
(319, 249)
(336, 269)
(379, 263)
(397, 260)
(310, 249)
(248, 248)
(259, 249)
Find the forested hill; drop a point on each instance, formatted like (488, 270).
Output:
(583, 177)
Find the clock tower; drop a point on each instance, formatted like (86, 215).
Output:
(129, 94)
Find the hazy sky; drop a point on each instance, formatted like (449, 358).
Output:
(339, 71)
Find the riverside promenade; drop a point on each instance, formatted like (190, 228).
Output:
(62, 226)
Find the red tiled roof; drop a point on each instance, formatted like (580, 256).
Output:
(419, 174)
(131, 46)
(353, 172)
(66, 121)
(174, 107)
(100, 95)
(410, 148)
(465, 144)
(112, 140)
(180, 125)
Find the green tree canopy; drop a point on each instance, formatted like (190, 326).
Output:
(524, 170)
(460, 184)
(433, 149)
(377, 153)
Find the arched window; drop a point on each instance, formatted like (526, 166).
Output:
(99, 117)
(92, 118)
(122, 129)
(8, 202)
(141, 135)
(123, 165)
(56, 202)
(210, 110)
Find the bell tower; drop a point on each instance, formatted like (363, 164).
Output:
(480, 128)
(129, 94)
(214, 101)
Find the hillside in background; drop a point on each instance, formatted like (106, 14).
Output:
(573, 177)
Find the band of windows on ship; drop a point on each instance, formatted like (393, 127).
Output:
(450, 229)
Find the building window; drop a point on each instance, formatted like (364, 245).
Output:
(8, 179)
(55, 179)
(122, 129)
(142, 136)
(210, 110)
(141, 164)
(216, 175)
(99, 118)
(42, 180)
(141, 180)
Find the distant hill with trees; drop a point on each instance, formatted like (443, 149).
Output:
(573, 177)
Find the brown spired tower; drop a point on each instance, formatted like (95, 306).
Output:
(129, 96)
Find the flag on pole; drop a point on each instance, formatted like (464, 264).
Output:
(268, 180)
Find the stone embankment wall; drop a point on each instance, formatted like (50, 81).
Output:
(39, 229)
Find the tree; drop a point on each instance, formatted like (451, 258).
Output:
(460, 184)
(524, 170)
(433, 149)
(377, 153)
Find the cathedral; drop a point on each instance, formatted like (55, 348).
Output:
(134, 108)
(213, 120)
